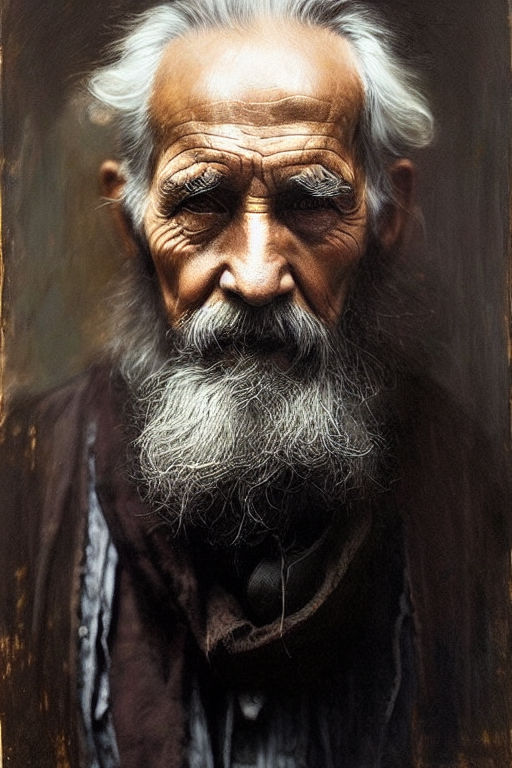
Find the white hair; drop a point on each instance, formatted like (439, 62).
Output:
(234, 444)
(396, 117)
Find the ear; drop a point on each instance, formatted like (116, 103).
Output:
(394, 217)
(112, 182)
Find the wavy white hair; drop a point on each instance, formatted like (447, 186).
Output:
(396, 117)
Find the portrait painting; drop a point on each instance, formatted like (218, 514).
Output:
(255, 489)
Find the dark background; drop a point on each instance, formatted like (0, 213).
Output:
(60, 254)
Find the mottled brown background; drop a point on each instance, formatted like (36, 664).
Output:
(59, 254)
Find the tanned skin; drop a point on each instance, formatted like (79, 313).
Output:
(257, 189)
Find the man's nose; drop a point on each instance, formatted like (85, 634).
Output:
(258, 271)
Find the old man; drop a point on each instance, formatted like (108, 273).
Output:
(227, 528)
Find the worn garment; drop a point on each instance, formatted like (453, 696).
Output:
(185, 651)
(171, 668)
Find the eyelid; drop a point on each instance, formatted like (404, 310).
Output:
(217, 205)
(345, 202)
(308, 203)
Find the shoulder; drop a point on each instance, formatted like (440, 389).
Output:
(43, 448)
(41, 456)
(43, 503)
(48, 412)
(45, 431)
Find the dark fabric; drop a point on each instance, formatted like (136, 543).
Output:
(172, 608)
(174, 630)
(43, 505)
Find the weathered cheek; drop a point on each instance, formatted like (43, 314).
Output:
(167, 247)
(334, 265)
(185, 276)
(165, 242)
(197, 280)
(345, 246)
(332, 293)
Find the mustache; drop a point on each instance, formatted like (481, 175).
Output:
(229, 327)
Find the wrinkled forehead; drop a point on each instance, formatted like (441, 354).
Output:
(272, 73)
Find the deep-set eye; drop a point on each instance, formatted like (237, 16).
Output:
(309, 203)
(310, 216)
(346, 201)
(203, 204)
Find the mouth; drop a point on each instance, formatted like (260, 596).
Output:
(280, 336)
(250, 347)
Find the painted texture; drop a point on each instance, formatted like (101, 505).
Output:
(55, 235)
(59, 254)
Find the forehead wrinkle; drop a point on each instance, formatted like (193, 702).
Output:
(253, 108)
(298, 75)
(317, 157)
(188, 130)
(247, 155)
(223, 136)
(166, 162)
(294, 60)
(247, 142)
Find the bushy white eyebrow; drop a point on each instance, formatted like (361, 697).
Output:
(396, 118)
(204, 181)
(319, 182)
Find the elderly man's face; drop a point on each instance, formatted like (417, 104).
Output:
(259, 409)
(257, 190)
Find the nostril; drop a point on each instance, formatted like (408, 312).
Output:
(256, 286)
(227, 281)
(287, 283)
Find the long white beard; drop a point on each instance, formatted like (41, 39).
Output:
(256, 418)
